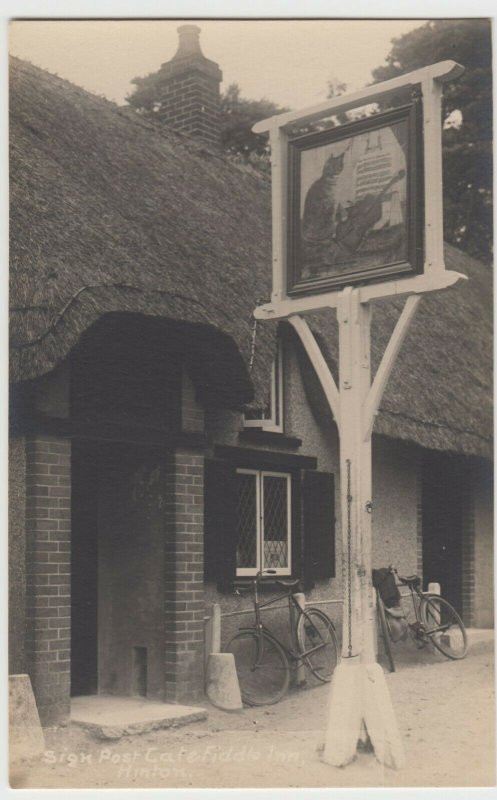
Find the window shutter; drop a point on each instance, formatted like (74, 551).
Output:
(318, 494)
(219, 523)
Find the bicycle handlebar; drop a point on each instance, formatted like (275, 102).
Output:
(408, 580)
(286, 584)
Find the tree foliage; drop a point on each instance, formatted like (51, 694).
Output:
(145, 97)
(237, 117)
(467, 116)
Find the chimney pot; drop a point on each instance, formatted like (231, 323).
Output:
(189, 44)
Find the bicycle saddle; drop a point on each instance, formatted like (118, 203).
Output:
(412, 580)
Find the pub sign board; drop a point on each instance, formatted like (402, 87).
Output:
(355, 202)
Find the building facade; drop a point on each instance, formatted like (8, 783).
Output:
(162, 448)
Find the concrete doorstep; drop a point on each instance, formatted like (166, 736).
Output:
(108, 717)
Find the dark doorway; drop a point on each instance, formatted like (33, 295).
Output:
(119, 507)
(131, 551)
(444, 493)
(84, 546)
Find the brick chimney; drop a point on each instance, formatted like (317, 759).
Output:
(189, 93)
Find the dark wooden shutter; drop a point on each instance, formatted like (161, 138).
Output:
(318, 493)
(219, 523)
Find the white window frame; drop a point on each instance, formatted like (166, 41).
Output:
(273, 423)
(259, 527)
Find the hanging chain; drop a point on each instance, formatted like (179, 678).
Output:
(349, 555)
(254, 336)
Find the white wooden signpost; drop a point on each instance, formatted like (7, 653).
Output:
(343, 203)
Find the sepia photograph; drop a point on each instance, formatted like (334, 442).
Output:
(250, 455)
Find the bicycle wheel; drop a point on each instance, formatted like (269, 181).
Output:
(317, 643)
(444, 626)
(262, 667)
(384, 630)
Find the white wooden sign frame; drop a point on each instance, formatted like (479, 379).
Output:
(360, 703)
(435, 276)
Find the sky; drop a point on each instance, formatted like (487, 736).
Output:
(286, 61)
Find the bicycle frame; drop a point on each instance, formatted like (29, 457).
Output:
(419, 626)
(293, 605)
(429, 625)
(416, 605)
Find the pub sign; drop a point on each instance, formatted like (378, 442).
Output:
(355, 211)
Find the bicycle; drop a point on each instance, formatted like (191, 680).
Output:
(263, 662)
(436, 622)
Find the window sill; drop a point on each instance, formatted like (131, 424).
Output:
(261, 436)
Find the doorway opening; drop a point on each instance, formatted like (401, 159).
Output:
(118, 553)
(444, 511)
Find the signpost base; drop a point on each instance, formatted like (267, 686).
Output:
(360, 697)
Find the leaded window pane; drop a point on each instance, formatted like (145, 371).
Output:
(275, 490)
(246, 533)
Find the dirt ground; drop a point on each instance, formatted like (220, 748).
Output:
(445, 710)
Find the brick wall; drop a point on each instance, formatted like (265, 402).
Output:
(483, 515)
(468, 556)
(184, 589)
(419, 522)
(190, 103)
(17, 555)
(48, 601)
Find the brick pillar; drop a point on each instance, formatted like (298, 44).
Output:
(468, 555)
(17, 555)
(419, 520)
(48, 598)
(184, 580)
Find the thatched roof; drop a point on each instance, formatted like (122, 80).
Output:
(440, 392)
(109, 213)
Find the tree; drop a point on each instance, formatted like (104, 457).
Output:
(467, 116)
(237, 117)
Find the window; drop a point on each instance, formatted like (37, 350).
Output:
(271, 417)
(263, 509)
(263, 522)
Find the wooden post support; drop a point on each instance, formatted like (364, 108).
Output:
(358, 681)
(359, 696)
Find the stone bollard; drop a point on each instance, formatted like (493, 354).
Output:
(222, 687)
(25, 734)
(213, 632)
(434, 588)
